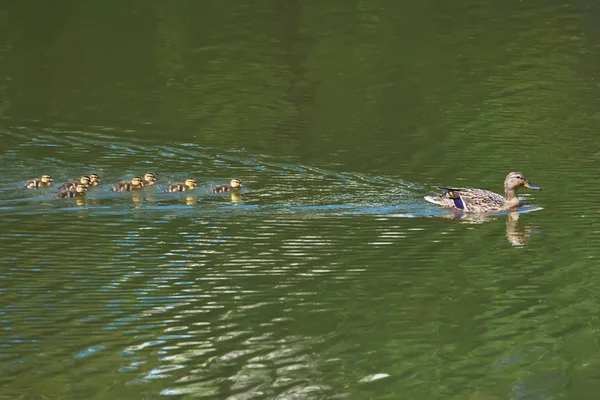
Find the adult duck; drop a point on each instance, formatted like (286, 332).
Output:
(479, 200)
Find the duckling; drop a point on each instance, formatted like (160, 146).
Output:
(84, 180)
(189, 184)
(45, 181)
(235, 184)
(149, 179)
(135, 184)
(79, 190)
(94, 180)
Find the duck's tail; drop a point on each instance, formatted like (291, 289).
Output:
(435, 200)
(446, 202)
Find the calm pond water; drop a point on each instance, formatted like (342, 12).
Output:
(328, 276)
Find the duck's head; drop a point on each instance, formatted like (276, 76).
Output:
(85, 180)
(94, 179)
(46, 178)
(516, 180)
(235, 183)
(149, 178)
(190, 182)
(80, 188)
(137, 180)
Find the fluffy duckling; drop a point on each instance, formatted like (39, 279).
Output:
(84, 180)
(79, 190)
(189, 184)
(44, 181)
(94, 180)
(149, 179)
(235, 184)
(135, 184)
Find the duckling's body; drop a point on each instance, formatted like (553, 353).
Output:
(234, 185)
(149, 179)
(42, 182)
(84, 180)
(135, 184)
(479, 200)
(79, 190)
(189, 184)
(94, 180)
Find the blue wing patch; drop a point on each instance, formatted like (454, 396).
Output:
(458, 203)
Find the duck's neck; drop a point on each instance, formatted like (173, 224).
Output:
(510, 193)
(512, 199)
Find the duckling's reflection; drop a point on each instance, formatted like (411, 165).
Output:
(86, 201)
(190, 200)
(137, 199)
(515, 234)
(236, 199)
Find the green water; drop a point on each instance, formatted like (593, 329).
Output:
(328, 276)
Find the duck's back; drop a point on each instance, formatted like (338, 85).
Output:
(68, 185)
(474, 200)
(221, 189)
(65, 194)
(34, 184)
(177, 187)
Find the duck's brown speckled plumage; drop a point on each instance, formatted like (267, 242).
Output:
(85, 180)
(44, 181)
(135, 184)
(235, 184)
(479, 200)
(189, 184)
(79, 190)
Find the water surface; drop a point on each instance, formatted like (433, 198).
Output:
(328, 276)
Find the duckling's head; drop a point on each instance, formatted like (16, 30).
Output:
(190, 182)
(85, 180)
(137, 180)
(235, 183)
(94, 179)
(46, 178)
(149, 178)
(516, 180)
(80, 188)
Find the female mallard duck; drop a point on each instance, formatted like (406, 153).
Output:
(479, 200)
(44, 181)
(235, 184)
(79, 190)
(84, 180)
(135, 184)
(149, 179)
(94, 180)
(189, 184)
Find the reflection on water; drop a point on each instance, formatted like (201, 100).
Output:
(517, 235)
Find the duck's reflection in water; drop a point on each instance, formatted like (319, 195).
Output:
(515, 234)
(190, 200)
(137, 199)
(236, 199)
(86, 201)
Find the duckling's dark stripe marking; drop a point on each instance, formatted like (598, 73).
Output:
(458, 203)
(221, 189)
